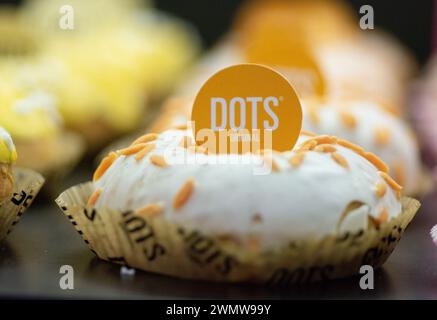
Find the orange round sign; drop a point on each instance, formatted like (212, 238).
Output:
(245, 108)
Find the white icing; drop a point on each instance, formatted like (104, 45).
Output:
(294, 203)
(6, 137)
(401, 148)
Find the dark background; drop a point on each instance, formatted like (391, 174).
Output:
(409, 20)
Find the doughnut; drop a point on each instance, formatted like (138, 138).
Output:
(220, 196)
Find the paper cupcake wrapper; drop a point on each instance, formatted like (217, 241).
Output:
(27, 185)
(156, 245)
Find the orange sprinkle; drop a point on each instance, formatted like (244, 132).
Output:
(339, 159)
(180, 127)
(158, 161)
(307, 133)
(313, 116)
(348, 119)
(143, 152)
(325, 148)
(198, 149)
(104, 165)
(380, 189)
(383, 215)
(146, 138)
(377, 162)
(296, 159)
(186, 142)
(313, 142)
(351, 146)
(382, 135)
(308, 145)
(94, 197)
(131, 150)
(325, 139)
(271, 162)
(393, 184)
(399, 173)
(150, 210)
(183, 194)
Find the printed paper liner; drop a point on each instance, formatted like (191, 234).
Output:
(156, 245)
(27, 185)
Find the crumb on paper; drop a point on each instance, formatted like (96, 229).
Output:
(127, 272)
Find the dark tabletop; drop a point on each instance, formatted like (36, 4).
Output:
(44, 240)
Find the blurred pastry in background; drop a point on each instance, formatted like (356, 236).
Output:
(224, 54)
(45, 15)
(318, 21)
(175, 112)
(375, 67)
(8, 155)
(351, 63)
(354, 63)
(30, 115)
(111, 66)
(423, 113)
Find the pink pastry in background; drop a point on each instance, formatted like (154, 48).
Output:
(423, 113)
(423, 108)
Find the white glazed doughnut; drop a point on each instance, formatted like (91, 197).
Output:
(366, 124)
(324, 186)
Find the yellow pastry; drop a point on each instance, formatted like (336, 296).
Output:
(30, 115)
(8, 156)
(110, 66)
